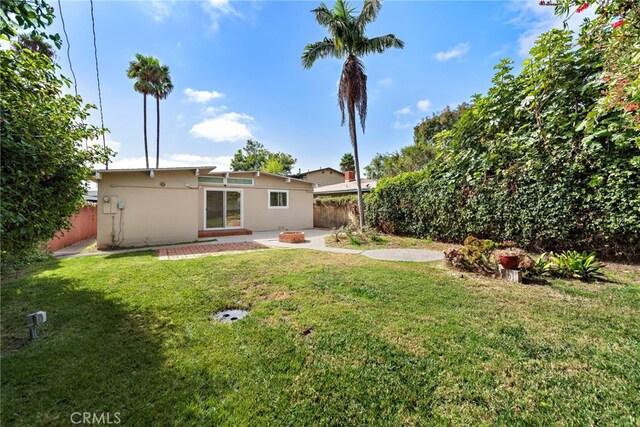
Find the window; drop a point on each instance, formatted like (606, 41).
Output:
(278, 199)
(241, 181)
(211, 179)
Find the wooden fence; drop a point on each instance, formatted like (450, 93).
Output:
(84, 225)
(333, 215)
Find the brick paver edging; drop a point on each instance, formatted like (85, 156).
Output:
(183, 252)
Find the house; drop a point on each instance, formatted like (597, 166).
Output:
(138, 207)
(321, 177)
(346, 186)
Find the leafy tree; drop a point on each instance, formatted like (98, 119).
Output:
(383, 166)
(36, 43)
(615, 34)
(44, 166)
(347, 163)
(428, 128)
(254, 156)
(417, 156)
(273, 165)
(162, 87)
(21, 15)
(144, 70)
(348, 39)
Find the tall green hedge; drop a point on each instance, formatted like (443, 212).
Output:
(520, 164)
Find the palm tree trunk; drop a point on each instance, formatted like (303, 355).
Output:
(146, 149)
(158, 133)
(354, 142)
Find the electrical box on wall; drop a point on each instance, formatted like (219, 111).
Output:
(106, 205)
(121, 204)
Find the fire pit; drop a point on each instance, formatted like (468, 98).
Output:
(291, 237)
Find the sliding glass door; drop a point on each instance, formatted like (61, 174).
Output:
(223, 209)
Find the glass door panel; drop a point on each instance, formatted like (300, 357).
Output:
(233, 210)
(215, 209)
(223, 209)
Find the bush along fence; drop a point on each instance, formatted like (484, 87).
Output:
(540, 211)
(335, 212)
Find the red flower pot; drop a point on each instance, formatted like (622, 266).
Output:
(510, 262)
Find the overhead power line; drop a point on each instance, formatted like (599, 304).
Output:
(66, 36)
(95, 53)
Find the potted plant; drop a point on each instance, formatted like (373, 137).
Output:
(509, 259)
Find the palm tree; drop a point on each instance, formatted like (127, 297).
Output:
(143, 70)
(162, 88)
(347, 163)
(348, 39)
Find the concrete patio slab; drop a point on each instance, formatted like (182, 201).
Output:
(314, 240)
(74, 249)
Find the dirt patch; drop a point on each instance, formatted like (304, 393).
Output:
(277, 296)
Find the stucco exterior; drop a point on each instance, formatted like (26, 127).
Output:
(168, 205)
(257, 216)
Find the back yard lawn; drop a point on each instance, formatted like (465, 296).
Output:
(331, 339)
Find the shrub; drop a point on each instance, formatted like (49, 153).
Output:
(335, 233)
(577, 265)
(520, 165)
(474, 256)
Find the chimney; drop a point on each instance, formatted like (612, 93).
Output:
(349, 176)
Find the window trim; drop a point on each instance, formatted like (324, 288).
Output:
(277, 191)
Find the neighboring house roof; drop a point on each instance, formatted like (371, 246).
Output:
(346, 187)
(301, 174)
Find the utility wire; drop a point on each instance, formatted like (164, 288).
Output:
(66, 36)
(95, 53)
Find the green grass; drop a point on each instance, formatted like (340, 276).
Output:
(384, 241)
(330, 339)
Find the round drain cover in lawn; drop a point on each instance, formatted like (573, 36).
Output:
(229, 316)
(416, 255)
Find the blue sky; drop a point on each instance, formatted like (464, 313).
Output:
(237, 73)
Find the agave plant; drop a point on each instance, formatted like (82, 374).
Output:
(579, 265)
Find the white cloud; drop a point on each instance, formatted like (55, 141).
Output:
(228, 127)
(534, 20)
(455, 52)
(201, 96)
(403, 111)
(423, 105)
(159, 10)
(217, 9)
(212, 111)
(386, 82)
(397, 125)
(175, 161)
(180, 117)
